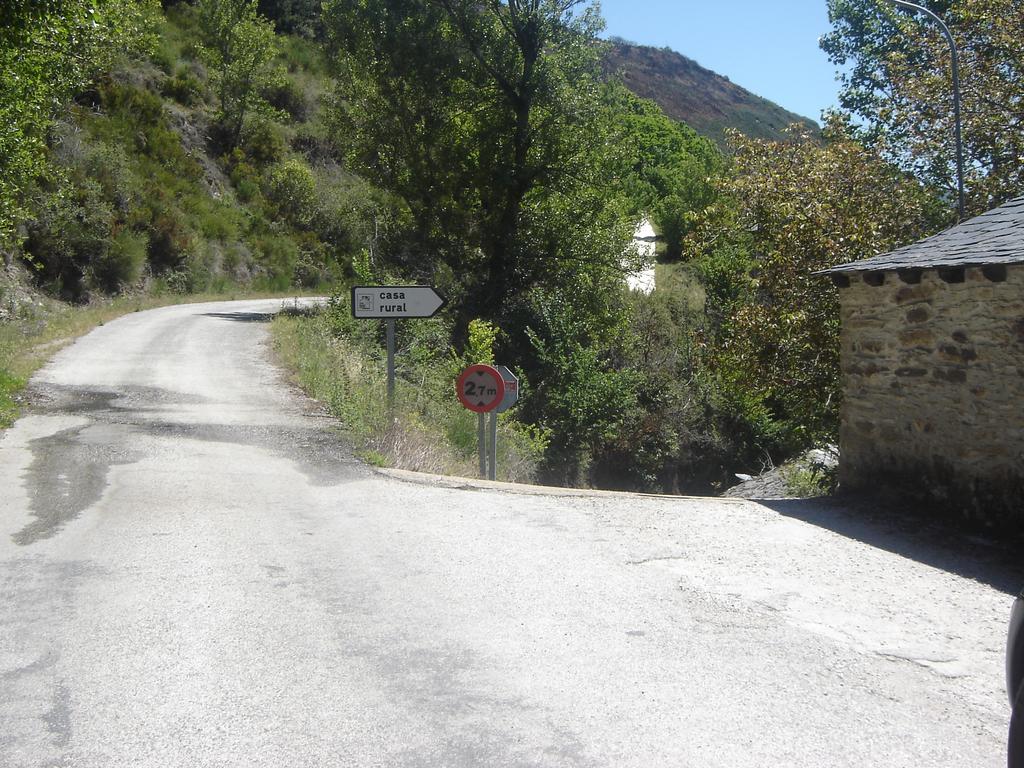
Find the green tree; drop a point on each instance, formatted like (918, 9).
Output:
(48, 52)
(581, 396)
(895, 74)
(486, 119)
(402, 120)
(670, 171)
(523, 173)
(798, 206)
(240, 46)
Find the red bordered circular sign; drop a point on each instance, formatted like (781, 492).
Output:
(480, 388)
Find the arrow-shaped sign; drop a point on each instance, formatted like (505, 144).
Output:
(387, 302)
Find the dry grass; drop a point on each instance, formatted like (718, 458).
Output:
(412, 446)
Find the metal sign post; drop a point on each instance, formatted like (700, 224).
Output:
(391, 363)
(511, 382)
(481, 442)
(492, 470)
(480, 388)
(487, 389)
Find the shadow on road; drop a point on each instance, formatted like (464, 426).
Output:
(243, 317)
(70, 467)
(909, 533)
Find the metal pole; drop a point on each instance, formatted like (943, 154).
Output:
(391, 363)
(492, 473)
(481, 442)
(956, 99)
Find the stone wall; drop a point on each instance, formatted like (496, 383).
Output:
(933, 383)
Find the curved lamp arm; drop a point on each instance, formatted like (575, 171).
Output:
(956, 97)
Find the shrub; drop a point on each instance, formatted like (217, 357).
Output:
(217, 221)
(164, 55)
(200, 267)
(108, 165)
(262, 141)
(170, 237)
(236, 262)
(69, 233)
(137, 114)
(179, 281)
(183, 87)
(122, 265)
(314, 142)
(288, 97)
(291, 188)
(244, 176)
(302, 55)
(813, 474)
(277, 255)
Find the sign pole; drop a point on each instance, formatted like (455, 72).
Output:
(389, 303)
(391, 363)
(492, 473)
(481, 445)
(481, 389)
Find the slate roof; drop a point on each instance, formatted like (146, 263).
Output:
(994, 237)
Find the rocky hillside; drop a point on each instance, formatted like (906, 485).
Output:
(704, 100)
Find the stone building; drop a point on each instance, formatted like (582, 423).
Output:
(932, 349)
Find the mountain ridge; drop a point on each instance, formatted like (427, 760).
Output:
(708, 102)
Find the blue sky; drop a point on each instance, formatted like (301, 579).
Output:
(768, 47)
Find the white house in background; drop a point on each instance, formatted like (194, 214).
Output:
(643, 241)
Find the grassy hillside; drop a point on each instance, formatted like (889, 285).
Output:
(145, 194)
(141, 201)
(704, 100)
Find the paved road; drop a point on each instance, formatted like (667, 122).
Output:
(193, 572)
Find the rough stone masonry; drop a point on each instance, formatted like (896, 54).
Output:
(933, 381)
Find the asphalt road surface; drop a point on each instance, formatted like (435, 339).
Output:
(195, 572)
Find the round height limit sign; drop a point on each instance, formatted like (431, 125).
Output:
(480, 388)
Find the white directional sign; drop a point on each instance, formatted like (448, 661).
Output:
(511, 389)
(389, 302)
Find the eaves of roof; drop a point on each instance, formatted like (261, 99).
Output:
(994, 237)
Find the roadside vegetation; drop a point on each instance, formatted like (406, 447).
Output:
(340, 362)
(227, 146)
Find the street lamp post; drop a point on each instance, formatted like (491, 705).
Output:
(956, 99)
